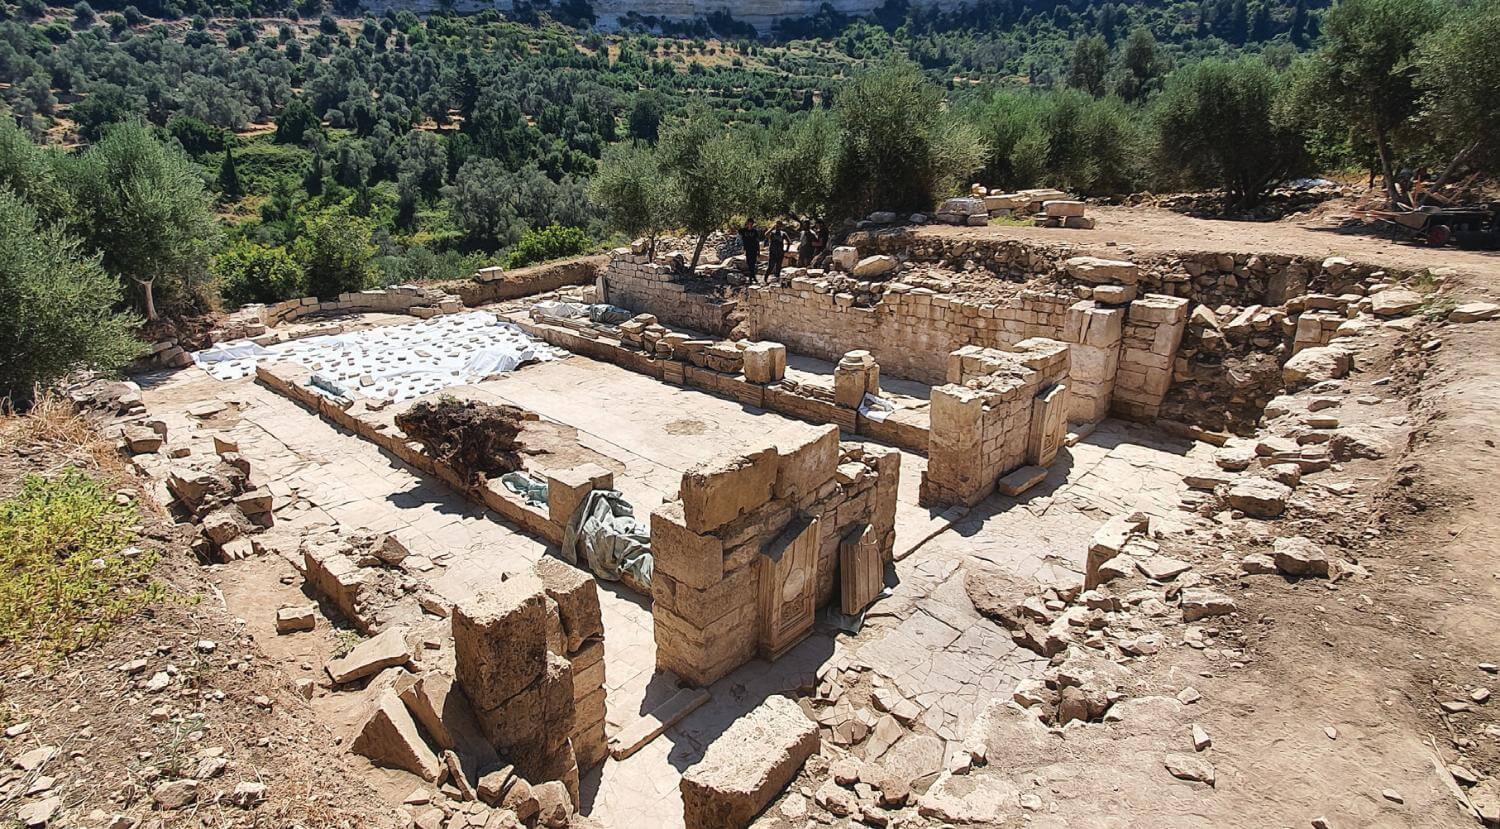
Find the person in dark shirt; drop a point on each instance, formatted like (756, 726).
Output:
(776, 242)
(750, 241)
(805, 244)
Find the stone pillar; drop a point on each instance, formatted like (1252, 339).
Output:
(522, 693)
(855, 376)
(1153, 331)
(955, 448)
(1095, 334)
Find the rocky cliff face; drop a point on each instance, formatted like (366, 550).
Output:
(761, 14)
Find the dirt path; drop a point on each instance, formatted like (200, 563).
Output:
(1153, 230)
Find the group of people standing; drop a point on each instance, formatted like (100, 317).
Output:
(811, 240)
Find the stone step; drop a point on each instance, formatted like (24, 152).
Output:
(636, 735)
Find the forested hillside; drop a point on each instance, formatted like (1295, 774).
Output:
(300, 148)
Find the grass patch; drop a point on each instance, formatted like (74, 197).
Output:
(1010, 221)
(65, 577)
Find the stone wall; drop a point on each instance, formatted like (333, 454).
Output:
(909, 331)
(751, 548)
(1214, 279)
(996, 415)
(528, 281)
(1152, 333)
(633, 281)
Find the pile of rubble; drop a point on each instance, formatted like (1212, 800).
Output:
(1047, 208)
(496, 712)
(215, 492)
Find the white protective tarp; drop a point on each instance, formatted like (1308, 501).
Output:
(396, 362)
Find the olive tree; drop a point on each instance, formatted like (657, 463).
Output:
(1223, 123)
(143, 207)
(629, 187)
(60, 305)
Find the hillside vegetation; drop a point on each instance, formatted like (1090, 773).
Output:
(177, 157)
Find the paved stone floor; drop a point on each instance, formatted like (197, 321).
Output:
(924, 639)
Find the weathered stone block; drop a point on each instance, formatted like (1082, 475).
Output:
(577, 598)
(389, 737)
(500, 640)
(748, 765)
(807, 465)
(371, 656)
(716, 492)
(678, 552)
(566, 489)
(765, 362)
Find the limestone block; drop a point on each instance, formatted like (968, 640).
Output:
(1258, 497)
(1109, 541)
(436, 701)
(1097, 271)
(1159, 309)
(566, 489)
(808, 464)
(1114, 294)
(389, 737)
(844, 258)
(745, 768)
(678, 552)
(500, 640)
(1061, 209)
(871, 267)
(1020, 480)
(765, 362)
(296, 619)
(1394, 302)
(577, 598)
(702, 608)
(1314, 365)
(531, 727)
(716, 492)
(371, 656)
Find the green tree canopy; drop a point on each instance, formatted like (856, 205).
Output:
(60, 305)
(711, 174)
(1363, 75)
(631, 191)
(1459, 67)
(899, 150)
(1225, 123)
(334, 251)
(249, 272)
(142, 206)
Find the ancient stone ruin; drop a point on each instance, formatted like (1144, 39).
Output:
(701, 551)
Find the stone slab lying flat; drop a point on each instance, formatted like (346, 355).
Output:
(371, 656)
(748, 765)
(650, 726)
(1021, 480)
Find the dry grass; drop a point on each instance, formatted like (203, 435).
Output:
(49, 438)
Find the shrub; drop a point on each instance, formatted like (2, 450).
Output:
(65, 579)
(334, 251)
(551, 242)
(59, 305)
(248, 272)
